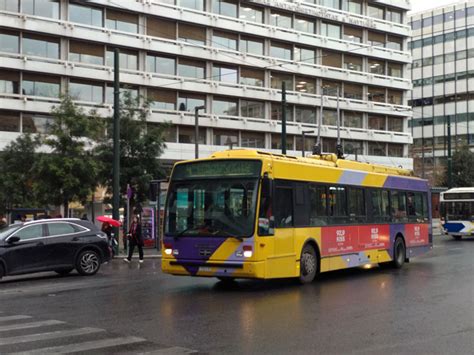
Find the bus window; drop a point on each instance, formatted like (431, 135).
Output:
(380, 206)
(337, 204)
(356, 202)
(284, 207)
(425, 207)
(399, 206)
(415, 206)
(318, 205)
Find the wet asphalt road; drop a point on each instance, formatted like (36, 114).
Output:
(425, 308)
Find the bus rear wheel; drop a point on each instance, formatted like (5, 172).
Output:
(308, 264)
(399, 253)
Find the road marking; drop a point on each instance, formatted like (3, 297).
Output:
(175, 350)
(47, 336)
(10, 318)
(85, 346)
(5, 328)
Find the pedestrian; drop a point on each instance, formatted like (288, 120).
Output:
(135, 238)
(107, 229)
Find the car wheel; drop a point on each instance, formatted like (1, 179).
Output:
(308, 264)
(63, 272)
(399, 253)
(2, 271)
(88, 263)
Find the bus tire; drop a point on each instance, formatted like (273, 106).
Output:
(399, 253)
(456, 237)
(308, 264)
(2, 271)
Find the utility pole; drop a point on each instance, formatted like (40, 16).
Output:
(116, 144)
(303, 135)
(283, 117)
(450, 158)
(196, 130)
(339, 152)
(317, 148)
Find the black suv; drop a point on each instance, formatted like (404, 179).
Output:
(59, 245)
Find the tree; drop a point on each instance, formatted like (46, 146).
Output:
(18, 163)
(69, 171)
(141, 144)
(463, 168)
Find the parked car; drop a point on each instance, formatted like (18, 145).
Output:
(59, 245)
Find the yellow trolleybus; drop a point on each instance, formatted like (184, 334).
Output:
(252, 214)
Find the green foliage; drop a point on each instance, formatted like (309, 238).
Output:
(141, 144)
(18, 163)
(463, 167)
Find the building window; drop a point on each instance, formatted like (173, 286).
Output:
(377, 123)
(352, 62)
(9, 82)
(161, 65)
(354, 6)
(252, 139)
(9, 41)
(162, 99)
(281, 19)
(305, 55)
(109, 93)
(224, 73)
(329, 145)
(395, 97)
(40, 46)
(305, 114)
(191, 68)
(9, 121)
(45, 8)
(188, 135)
(375, 11)
(281, 50)
(251, 45)
(353, 34)
(250, 13)
(157, 27)
(250, 108)
(396, 16)
(226, 137)
(9, 5)
(36, 123)
(395, 124)
(353, 91)
(278, 78)
(330, 30)
(127, 59)
(86, 52)
(170, 134)
(329, 117)
(192, 34)
(192, 4)
(332, 59)
(376, 39)
(84, 91)
(330, 87)
(352, 119)
(40, 85)
(376, 66)
(122, 21)
(276, 112)
(225, 107)
(224, 40)
(335, 4)
(252, 77)
(395, 69)
(91, 16)
(394, 42)
(309, 143)
(225, 7)
(188, 102)
(376, 94)
(395, 150)
(303, 84)
(353, 147)
(276, 142)
(304, 24)
(377, 149)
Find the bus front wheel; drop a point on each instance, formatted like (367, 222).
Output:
(399, 253)
(308, 264)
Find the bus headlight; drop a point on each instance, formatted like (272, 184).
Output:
(168, 249)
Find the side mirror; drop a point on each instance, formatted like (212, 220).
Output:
(13, 239)
(267, 186)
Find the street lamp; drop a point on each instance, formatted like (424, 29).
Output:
(303, 147)
(196, 129)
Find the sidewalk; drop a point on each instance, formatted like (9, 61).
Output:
(148, 253)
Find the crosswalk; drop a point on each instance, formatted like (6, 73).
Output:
(23, 334)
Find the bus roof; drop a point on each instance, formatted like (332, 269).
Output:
(459, 190)
(329, 160)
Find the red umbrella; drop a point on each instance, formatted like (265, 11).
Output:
(111, 221)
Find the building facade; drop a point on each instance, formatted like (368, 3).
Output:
(230, 57)
(443, 53)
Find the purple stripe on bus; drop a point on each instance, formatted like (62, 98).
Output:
(351, 177)
(394, 230)
(395, 182)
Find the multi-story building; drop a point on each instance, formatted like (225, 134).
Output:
(443, 53)
(230, 56)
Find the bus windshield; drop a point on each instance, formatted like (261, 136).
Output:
(212, 207)
(458, 210)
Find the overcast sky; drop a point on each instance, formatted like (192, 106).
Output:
(420, 5)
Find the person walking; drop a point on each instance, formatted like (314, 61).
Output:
(135, 238)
